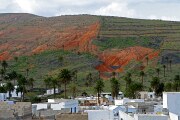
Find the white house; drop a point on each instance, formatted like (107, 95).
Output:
(3, 96)
(51, 91)
(100, 114)
(171, 101)
(126, 100)
(14, 94)
(59, 104)
(125, 116)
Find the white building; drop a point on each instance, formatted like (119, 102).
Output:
(51, 91)
(147, 95)
(109, 96)
(127, 100)
(3, 96)
(171, 101)
(100, 114)
(125, 116)
(14, 94)
(58, 104)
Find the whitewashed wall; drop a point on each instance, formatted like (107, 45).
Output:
(150, 117)
(174, 116)
(171, 100)
(100, 115)
(124, 116)
(41, 106)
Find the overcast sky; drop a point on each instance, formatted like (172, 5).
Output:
(147, 9)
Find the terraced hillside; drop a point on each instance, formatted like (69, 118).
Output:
(119, 44)
(25, 34)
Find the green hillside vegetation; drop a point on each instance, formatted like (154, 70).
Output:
(49, 63)
(114, 33)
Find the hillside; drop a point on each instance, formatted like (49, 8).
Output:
(113, 44)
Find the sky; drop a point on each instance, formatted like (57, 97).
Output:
(143, 9)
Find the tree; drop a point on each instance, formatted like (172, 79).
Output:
(4, 64)
(167, 60)
(168, 86)
(19, 89)
(164, 67)
(147, 60)
(22, 83)
(176, 82)
(114, 87)
(128, 80)
(154, 83)
(2, 72)
(170, 63)
(89, 80)
(114, 74)
(142, 74)
(99, 88)
(133, 90)
(159, 89)
(16, 58)
(10, 88)
(31, 82)
(74, 75)
(60, 59)
(65, 76)
(13, 76)
(27, 72)
(54, 83)
(73, 89)
(3, 89)
(158, 71)
(47, 82)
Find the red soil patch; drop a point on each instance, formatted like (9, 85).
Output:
(4, 56)
(114, 61)
(40, 49)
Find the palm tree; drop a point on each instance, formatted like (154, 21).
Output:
(167, 60)
(170, 63)
(3, 89)
(158, 71)
(154, 83)
(177, 82)
(31, 82)
(89, 79)
(19, 89)
(27, 72)
(142, 74)
(128, 81)
(54, 83)
(164, 67)
(168, 86)
(133, 90)
(74, 75)
(60, 59)
(147, 60)
(22, 83)
(73, 89)
(47, 82)
(114, 87)
(65, 76)
(2, 72)
(114, 74)
(9, 88)
(4, 64)
(13, 76)
(16, 58)
(99, 88)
